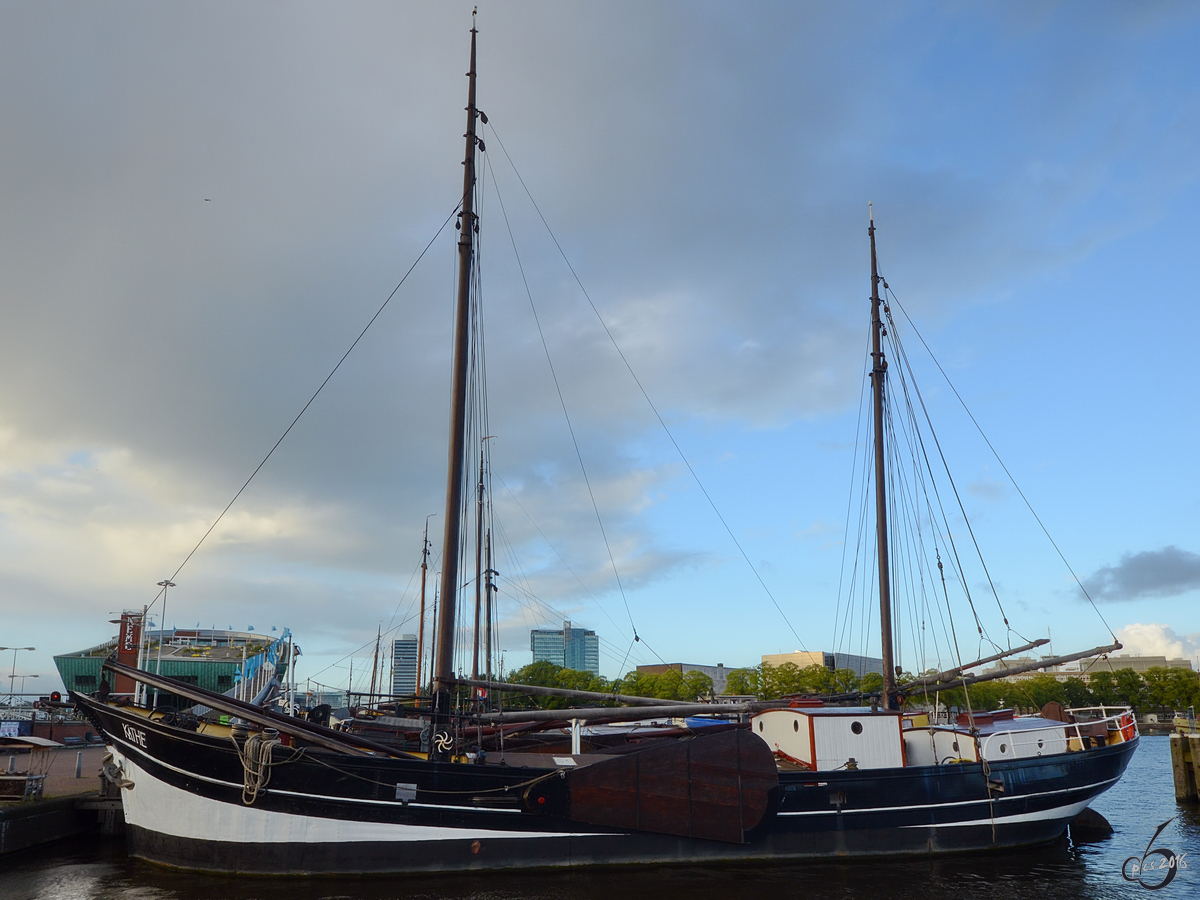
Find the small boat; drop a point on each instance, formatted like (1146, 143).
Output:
(273, 794)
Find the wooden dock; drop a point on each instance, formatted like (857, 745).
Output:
(1185, 764)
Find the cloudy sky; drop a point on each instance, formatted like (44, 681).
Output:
(201, 206)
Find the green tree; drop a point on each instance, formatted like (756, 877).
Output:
(987, 695)
(778, 681)
(1039, 690)
(1185, 689)
(1076, 694)
(1159, 688)
(697, 686)
(871, 683)
(669, 685)
(816, 679)
(843, 681)
(742, 681)
(543, 674)
(666, 685)
(1130, 689)
(547, 674)
(1104, 688)
(575, 680)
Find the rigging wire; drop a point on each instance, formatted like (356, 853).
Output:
(864, 499)
(862, 394)
(304, 409)
(563, 403)
(542, 611)
(1013, 480)
(642, 389)
(561, 559)
(902, 367)
(898, 348)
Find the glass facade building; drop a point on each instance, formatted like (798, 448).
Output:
(404, 665)
(571, 648)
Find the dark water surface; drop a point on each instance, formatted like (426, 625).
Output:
(100, 870)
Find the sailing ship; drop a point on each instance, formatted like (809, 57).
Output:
(275, 794)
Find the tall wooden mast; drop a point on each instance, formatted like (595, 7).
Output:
(878, 377)
(443, 666)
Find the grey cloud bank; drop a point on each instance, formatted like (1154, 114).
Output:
(1168, 572)
(706, 167)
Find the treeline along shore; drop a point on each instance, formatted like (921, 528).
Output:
(1158, 689)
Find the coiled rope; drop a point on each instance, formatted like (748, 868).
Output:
(255, 754)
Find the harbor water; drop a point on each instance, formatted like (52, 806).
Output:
(98, 869)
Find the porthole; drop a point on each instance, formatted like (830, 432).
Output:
(1040, 743)
(856, 727)
(796, 725)
(1004, 748)
(760, 724)
(955, 745)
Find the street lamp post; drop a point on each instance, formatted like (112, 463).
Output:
(13, 676)
(162, 629)
(23, 677)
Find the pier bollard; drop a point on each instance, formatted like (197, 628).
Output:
(79, 764)
(12, 764)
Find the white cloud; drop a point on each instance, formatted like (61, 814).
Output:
(1159, 640)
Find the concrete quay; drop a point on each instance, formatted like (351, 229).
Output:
(69, 805)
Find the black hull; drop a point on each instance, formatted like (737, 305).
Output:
(324, 813)
(481, 855)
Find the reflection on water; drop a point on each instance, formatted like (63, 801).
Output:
(1136, 806)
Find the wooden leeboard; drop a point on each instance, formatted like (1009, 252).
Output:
(715, 787)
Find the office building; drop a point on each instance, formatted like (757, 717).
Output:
(404, 666)
(571, 648)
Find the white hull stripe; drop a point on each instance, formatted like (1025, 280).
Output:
(156, 806)
(328, 797)
(1100, 785)
(1070, 811)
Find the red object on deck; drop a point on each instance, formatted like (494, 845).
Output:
(986, 718)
